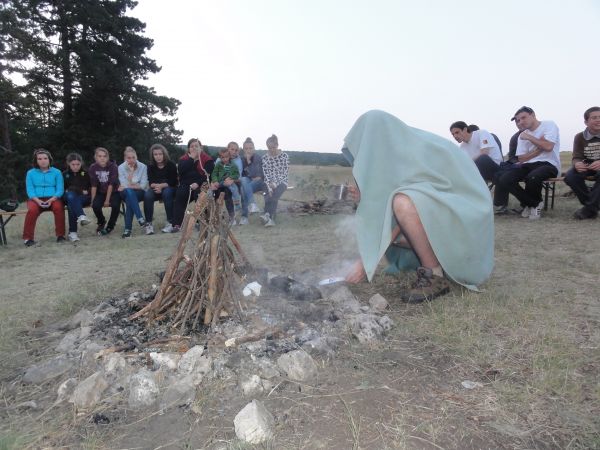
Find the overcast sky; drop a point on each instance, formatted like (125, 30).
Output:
(306, 69)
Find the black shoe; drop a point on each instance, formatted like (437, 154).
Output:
(142, 222)
(60, 239)
(585, 213)
(126, 234)
(29, 243)
(100, 229)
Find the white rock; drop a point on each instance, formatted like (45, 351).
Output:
(267, 369)
(114, 364)
(251, 385)
(84, 333)
(298, 365)
(67, 343)
(83, 318)
(468, 384)
(254, 423)
(143, 390)
(165, 360)
(366, 328)
(385, 322)
(47, 370)
(89, 391)
(345, 299)
(378, 302)
(180, 393)
(65, 390)
(188, 361)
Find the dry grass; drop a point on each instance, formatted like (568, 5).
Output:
(532, 338)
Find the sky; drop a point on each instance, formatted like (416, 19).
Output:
(307, 69)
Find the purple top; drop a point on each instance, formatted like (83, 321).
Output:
(102, 177)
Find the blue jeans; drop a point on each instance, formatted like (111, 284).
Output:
(75, 203)
(132, 199)
(249, 187)
(168, 197)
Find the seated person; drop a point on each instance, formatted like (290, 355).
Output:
(77, 193)
(252, 179)
(474, 127)
(104, 176)
(586, 163)
(276, 170)
(162, 181)
(44, 191)
(501, 198)
(133, 182)
(538, 159)
(481, 147)
(235, 158)
(194, 170)
(223, 176)
(425, 194)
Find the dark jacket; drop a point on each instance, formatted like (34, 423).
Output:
(191, 171)
(253, 168)
(77, 181)
(168, 174)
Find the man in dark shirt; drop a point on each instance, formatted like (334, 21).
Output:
(586, 163)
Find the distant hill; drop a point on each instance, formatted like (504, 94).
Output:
(296, 157)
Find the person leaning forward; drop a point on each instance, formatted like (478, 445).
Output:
(538, 159)
(586, 163)
(419, 193)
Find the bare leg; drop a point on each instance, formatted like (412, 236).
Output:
(412, 228)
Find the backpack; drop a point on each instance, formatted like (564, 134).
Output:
(9, 205)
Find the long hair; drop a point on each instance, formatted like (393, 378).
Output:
(41, 151)
(164, 151)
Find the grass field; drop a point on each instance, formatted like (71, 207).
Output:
(531, 338)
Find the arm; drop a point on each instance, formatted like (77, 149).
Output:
(528, 156)
(122, 174)
(60, 186)
(143, 177)
(30, 185)
(541, 143)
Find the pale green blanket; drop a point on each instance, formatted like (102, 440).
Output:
(452, 200)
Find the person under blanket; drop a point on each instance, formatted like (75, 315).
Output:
(429, 200)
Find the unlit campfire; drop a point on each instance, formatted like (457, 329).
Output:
(199, 288)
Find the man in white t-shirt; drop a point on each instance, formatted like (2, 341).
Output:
(538, 157)
(481, 147)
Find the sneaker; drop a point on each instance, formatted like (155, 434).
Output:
(585, 213)
(427, 287)
(175, 229)
(60, 239)
(99, 229)
(73, 237)
(500, 210)
(232, 222)
(142, 222)
(83, 220)
(269, 223)
(29, 243)
(168, 228)
(126, 234)
(266, 217)
(535, 212)
(525, 212)
(243, 220)
(252, 208)
(149, 228)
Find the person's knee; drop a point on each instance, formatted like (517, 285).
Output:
(402, 204)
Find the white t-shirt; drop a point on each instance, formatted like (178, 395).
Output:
(481, 139)
(549, 131)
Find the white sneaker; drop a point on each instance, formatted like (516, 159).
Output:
(252, 208)
(269, 223)
(535, 213)
(525, 212)
(243, 220)
(149, 228)
(83, 220)
(232, 222)
(73, 237)
(266, 217)
(168, 228)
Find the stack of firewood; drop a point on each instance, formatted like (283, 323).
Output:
(200, 287)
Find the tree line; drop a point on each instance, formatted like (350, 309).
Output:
(72, 77)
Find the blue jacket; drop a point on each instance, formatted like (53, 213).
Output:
(44, 184)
